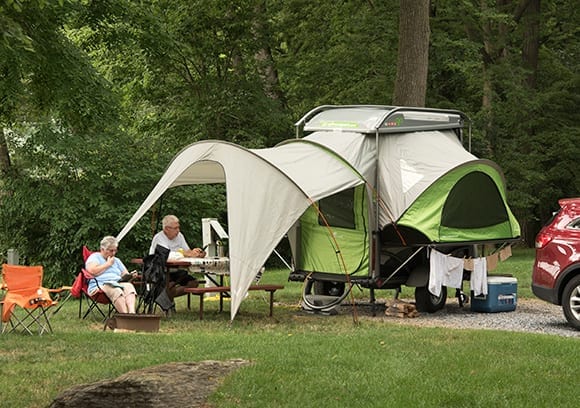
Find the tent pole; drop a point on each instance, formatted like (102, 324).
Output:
(282, 259)
(469, 136)
(376, 235)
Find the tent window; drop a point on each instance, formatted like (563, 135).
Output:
(474, 202)
(338, 209)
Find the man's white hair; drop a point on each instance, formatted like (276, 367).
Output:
(169, 219)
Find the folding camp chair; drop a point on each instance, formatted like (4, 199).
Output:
(26, 302)
(98, 304)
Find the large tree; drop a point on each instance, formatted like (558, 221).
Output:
(412, 53)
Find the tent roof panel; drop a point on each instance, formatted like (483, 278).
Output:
(410, 162)
(379, 118)
(318, 169)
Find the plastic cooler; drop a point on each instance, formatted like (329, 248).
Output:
(501, 295)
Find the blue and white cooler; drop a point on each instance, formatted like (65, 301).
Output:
(501, 296)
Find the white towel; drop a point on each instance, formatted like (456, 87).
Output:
(444, 270)
(454, 275)
(437, 268)
(478, 279)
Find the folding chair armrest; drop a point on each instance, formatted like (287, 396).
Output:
(59, 290)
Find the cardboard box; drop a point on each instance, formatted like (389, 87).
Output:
(137, 322)
(501, 296)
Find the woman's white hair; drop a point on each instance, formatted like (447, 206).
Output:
(109, 242)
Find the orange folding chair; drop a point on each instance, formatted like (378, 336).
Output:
(98, 304)
(26, 302)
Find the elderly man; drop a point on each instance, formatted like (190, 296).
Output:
(171, 238)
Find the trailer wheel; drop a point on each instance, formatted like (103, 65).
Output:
(324, 302)
(427, 302)
(329, 288)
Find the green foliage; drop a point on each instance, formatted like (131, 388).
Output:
(336, 54)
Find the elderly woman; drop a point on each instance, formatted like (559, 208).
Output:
(108, 272)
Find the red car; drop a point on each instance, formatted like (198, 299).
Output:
(556, 275)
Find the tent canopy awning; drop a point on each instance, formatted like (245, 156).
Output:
(268, 187)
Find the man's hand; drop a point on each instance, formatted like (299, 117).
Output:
(197, 253)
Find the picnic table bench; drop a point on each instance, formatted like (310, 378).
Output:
(201, 291)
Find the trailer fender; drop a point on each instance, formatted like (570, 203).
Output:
(418, 277)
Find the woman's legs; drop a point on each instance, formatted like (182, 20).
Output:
(120, 305)
(130, 302)
(129, 295)
(123, 298)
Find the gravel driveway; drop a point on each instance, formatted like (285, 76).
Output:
(531, 315)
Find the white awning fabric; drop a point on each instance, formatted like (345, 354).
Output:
(267, 191)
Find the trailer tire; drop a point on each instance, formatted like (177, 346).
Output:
(427, 302)
(312, 300)
(329, 288)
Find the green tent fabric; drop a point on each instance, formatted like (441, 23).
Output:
(334, 235)
(468, 203)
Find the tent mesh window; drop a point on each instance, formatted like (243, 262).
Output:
(338, 210)
(474, 202)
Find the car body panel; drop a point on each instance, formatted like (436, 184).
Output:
(557, 252)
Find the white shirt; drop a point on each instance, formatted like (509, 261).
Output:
(172, 244)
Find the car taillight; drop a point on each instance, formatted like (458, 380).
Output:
(542, 240)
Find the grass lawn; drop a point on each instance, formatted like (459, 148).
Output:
(304, 360)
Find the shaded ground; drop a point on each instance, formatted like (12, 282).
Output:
(176, 385)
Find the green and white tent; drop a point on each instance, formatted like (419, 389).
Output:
(360, 170)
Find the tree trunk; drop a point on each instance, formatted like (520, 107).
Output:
(413, 53)
(4, 155)
(488, 54)
(265, 61)
(531, 41)
(269, 75)
(493, 51)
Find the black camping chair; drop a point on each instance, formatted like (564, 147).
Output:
(154, 282)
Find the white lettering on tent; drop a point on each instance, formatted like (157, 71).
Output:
(409, 176)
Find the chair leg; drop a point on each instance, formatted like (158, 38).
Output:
(17, 322)
(37, 316)
(61, 303)
(94, 307)
(43, 321)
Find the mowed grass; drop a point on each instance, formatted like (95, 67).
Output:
(304, 360)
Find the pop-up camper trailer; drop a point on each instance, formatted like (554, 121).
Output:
(359, 186)
(425, 190)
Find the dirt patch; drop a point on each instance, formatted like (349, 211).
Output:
(169, 385)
